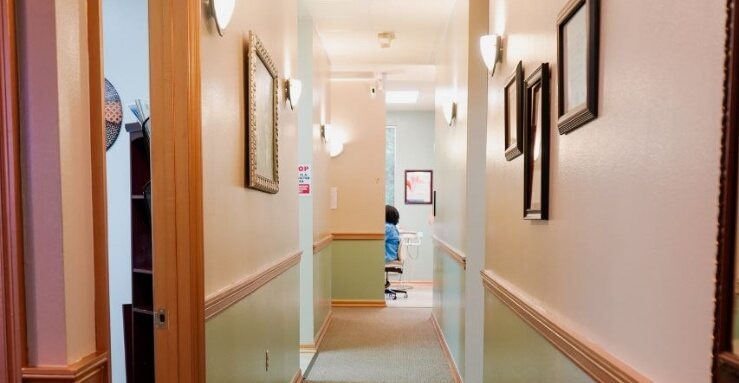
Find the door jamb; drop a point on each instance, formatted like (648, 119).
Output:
(99, 180)
(12, 285)
(174, 38)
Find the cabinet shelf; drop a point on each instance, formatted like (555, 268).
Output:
(140, 363)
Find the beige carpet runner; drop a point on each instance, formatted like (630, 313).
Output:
(395, 345)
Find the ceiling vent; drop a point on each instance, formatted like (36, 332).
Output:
(385, 39)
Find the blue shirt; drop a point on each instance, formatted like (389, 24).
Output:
(392, 242)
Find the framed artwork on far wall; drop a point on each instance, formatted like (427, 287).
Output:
(536, 145)
(513, 113)
(262, 85)
(578, 34)
(419, 186)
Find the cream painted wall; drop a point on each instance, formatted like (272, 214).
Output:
(321, 159)
(313, 69)
(359, 172)
(460, 165)
(244, 229)
(628, 257)
(451, 142)
(76, 177)
(57, 181)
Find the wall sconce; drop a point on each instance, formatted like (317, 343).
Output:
(335, 147)
(222, 11)
(450, 113)
(492, 51)
(293, 89)
(333, 142)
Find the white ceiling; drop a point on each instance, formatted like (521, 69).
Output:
(349, 28)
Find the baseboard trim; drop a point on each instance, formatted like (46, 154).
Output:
(322, 331)
(91, 368)
(445, 349)
(450, 250)
(318, 339)
(229, 296)
(298, 377)
(594, 361)
(358, 236)
(322, 244)
(358, 303)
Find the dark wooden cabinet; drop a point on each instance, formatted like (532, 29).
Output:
(140, 318)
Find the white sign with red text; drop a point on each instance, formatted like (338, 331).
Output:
(304, 180)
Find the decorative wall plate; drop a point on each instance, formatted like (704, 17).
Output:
(113, 114)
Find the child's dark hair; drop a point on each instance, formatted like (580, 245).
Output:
(392, 216)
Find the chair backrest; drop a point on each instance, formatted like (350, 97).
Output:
(401, 251)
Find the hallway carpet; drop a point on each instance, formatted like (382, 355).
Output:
(368, 345)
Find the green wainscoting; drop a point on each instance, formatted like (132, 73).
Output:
(321, 287)
(449, 293)
(516, 353)
(236, 339)
(358, 269)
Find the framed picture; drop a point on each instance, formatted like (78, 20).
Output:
(536, 145)
(513, 113)
(262, 121)
(419, 186)
(578, 34)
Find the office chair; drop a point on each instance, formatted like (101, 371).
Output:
(395, 267)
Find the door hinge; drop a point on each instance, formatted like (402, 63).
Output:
(160, 319)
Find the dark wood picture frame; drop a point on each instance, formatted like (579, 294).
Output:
(428, 201)
(725, 360)
(257, 55)
(579, 115)
(515, 82)
(537, 85)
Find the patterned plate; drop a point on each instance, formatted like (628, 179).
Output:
(113, 114)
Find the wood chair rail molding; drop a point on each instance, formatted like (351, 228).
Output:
(220, 301)
(92, 368)
(594, 361)
(457, 255)
(322, 243)
(445, 349)
(358, 236)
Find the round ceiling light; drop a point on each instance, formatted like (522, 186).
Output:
(222, 10)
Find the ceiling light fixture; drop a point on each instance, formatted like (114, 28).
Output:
(385, 39)
(401, 97)
(491, 48)
(222, 11)
(293, 89)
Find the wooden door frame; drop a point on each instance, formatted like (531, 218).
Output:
(174, 45)
(99, 181)
(12, 293)
(174, 35)
(725, 361)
